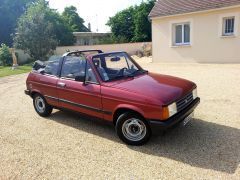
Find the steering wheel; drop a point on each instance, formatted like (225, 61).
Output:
(121, 71)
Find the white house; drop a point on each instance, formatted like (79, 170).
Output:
(205, 31)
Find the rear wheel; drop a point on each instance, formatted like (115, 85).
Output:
(41, 106)
(133, 129)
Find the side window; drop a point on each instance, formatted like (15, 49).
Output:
(72, 67)
(90, 76)
(52, 67)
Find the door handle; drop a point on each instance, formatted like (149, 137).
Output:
(60, 84)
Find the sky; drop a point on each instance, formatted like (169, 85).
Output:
(97, 12)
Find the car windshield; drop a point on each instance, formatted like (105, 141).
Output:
(115, 66)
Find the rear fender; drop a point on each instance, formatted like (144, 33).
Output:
(35, 91)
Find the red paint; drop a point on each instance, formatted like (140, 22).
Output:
(145, 94)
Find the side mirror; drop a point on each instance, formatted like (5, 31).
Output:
(80, 78)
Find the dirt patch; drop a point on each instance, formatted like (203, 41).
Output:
(67, 146)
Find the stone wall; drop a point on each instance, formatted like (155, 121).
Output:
(131, 48)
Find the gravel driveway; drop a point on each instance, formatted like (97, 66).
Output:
(67, 146)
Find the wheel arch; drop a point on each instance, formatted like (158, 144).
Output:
(34, 92)
(122, 109)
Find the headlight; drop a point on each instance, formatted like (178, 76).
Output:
(195, 93)
(169, 111)
(172, 109)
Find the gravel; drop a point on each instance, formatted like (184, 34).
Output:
(68, 146)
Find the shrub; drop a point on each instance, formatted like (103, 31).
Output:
(5, 56)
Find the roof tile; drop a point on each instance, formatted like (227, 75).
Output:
(174, 7)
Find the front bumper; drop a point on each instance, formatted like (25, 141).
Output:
(177, 118)
(27, 92)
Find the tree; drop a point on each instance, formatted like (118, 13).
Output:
(143, 30)
(5, 56)
(10, 11)
(73, 20)
(62, 31)
(35, 32)
(132, 24)
(122, 25)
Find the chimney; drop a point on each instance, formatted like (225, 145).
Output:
(89, 26)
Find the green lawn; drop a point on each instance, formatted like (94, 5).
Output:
(7, 71)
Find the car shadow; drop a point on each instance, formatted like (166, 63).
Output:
(200, 144)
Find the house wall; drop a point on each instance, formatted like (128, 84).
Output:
(207, 46)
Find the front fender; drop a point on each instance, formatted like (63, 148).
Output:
(130, 107)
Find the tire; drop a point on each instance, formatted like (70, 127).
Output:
(41, 106)
(133, 129)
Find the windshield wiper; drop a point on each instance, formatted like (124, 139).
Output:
(124, 76)
(120, 77)
(141, 71)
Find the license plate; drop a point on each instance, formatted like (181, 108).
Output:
(187, 119)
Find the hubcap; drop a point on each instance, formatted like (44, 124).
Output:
(40, 104)
(134, 129)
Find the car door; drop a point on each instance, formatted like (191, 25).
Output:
(75, 95)
(46, 83)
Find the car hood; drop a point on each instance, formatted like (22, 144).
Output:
(163, 88)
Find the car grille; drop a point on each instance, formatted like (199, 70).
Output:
(183, 103)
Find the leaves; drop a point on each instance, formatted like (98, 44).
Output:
(62, 31)
(143, 31)
(10, 11)
(73, 20)
(41, 29)
(35, 32)
(63, 25)
(5, 56)
(122, 25)
(132, 24)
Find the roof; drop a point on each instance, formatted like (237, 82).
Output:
(174, 7)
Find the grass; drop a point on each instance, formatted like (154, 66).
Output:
(7, 71)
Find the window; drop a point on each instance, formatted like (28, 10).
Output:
(181, 34)
(86, 42)
(228, 26)
(73, 66)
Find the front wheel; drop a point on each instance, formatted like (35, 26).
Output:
(133, 129)
(41, 106)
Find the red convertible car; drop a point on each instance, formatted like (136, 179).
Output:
(112, 87)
